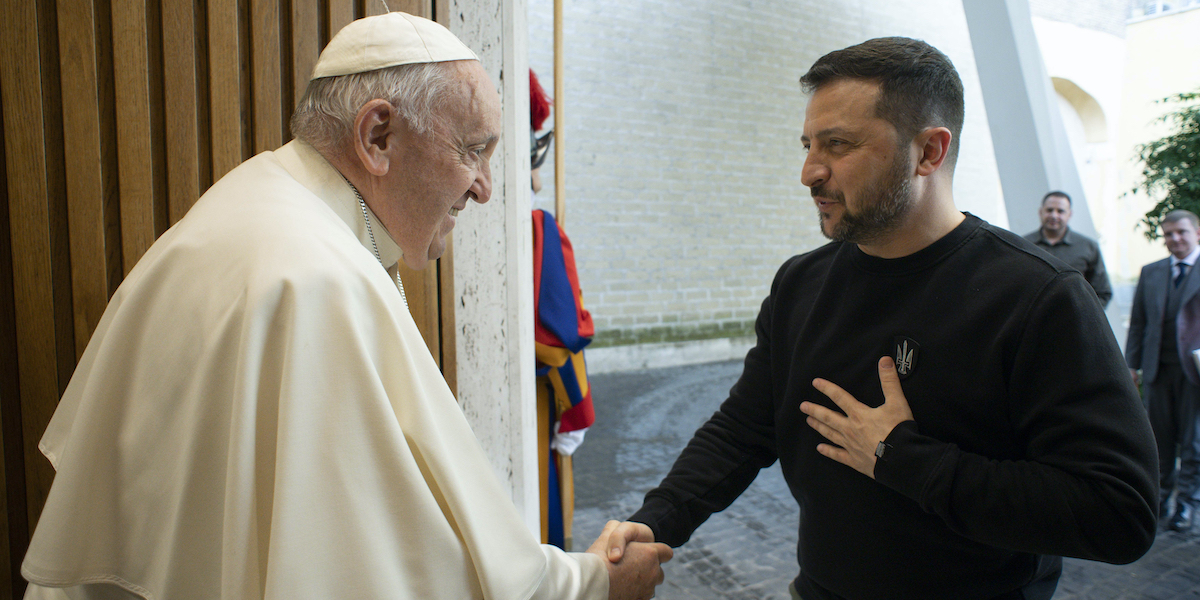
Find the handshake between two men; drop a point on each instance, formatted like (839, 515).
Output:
(633, 558)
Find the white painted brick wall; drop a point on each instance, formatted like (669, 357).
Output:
(1098, 15)
(683, 150)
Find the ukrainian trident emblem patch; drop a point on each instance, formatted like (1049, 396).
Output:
(905, 354)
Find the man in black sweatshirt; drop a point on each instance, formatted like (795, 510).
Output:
(1000, 429)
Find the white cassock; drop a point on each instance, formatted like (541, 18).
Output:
(256, 416)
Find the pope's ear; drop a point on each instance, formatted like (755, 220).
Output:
(372, 136)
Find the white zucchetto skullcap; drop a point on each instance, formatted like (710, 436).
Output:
(388, 40)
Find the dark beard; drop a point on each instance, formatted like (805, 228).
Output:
(892, 196)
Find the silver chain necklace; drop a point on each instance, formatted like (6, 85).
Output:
(367, 219)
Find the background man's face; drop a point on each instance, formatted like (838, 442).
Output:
(1055, 214)
(1181, 237)
(859, 172)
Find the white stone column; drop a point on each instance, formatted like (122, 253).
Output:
(493, 264)
(1033, 154)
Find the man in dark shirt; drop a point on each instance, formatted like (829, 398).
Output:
(999, 431)
(1071, 247)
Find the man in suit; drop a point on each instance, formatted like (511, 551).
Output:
(1071, 247)
(1164, 329)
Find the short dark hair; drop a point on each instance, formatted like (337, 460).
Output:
(919, 87)
(1056, 193)
(1180, 214)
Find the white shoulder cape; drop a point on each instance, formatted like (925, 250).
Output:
(256, 416)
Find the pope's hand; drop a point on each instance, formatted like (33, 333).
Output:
(633, 559)
(857, 434)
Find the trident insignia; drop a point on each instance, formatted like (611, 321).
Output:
(906, 355)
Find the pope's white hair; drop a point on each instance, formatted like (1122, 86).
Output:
(325, 115)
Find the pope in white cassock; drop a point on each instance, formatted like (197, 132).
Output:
(256, 415)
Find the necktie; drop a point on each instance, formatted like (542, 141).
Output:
(1183, 267)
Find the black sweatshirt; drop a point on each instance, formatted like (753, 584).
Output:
(1029, 441)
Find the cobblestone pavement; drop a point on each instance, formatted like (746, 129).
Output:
(644, 418)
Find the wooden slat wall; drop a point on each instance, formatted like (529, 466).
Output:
(141, 133)
(85, 49)
(33, 154)
(117, 115)
(13, 498)
(268, 53)
(227, 95)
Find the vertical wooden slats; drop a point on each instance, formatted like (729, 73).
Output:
(441, 12)
(421, 288)
(15, 529)
(421, 8)
(106, 97)
(306, 44)
(371, 8)
(267, 76)
(137, 71)
(6, 575)
(117, 116)
(87, 122)
(225, 85)
(341, 12)
(448, 360)
(57, 207)
(33, 145)
(187, 156)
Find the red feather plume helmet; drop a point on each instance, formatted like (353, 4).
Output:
(539, 110)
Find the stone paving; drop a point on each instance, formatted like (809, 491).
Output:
(644, 418)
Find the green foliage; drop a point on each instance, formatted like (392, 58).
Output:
(1171, 165)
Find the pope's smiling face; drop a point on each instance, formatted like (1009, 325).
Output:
(433, 174)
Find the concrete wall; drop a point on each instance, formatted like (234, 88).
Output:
(1108, 80)
(1081, 62)
(683, 148)
(1105, 16)
(1161, 61)
(493, 267)
(1032, 151)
